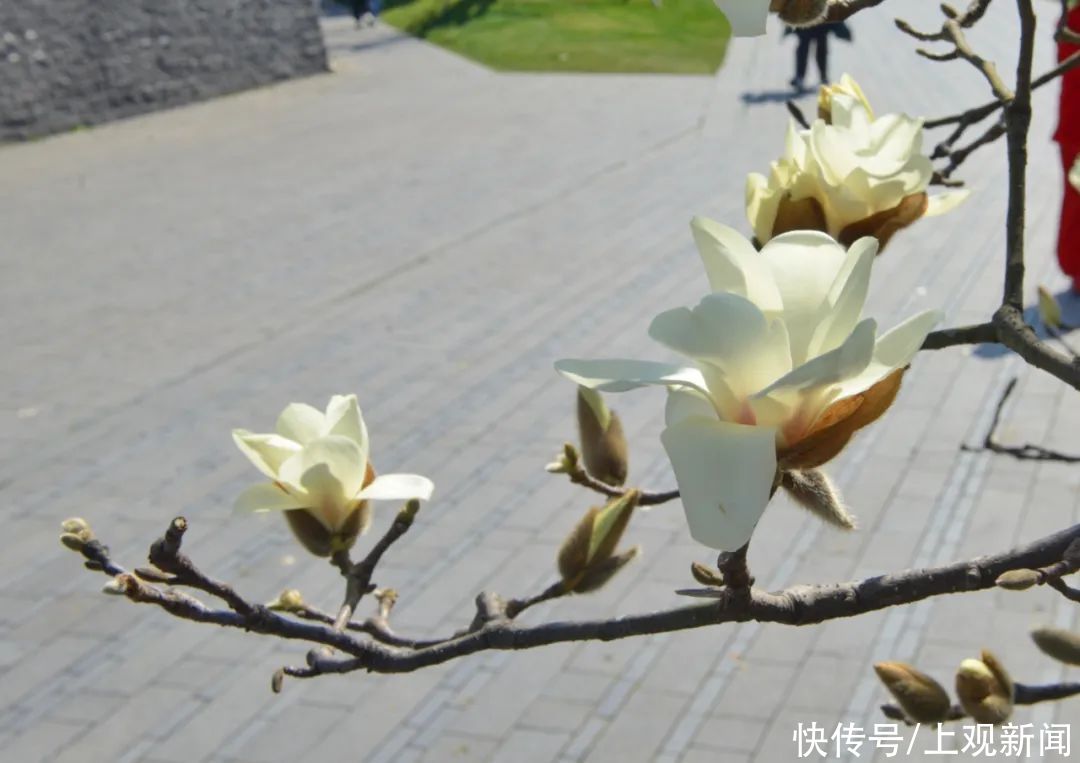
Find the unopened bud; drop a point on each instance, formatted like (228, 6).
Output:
(288, 600)
(922, 698)
(985, 689)
(1060, 644)
(706, 575)
(1018, 580)
(277, 680)
(594, 538)
(78, 527)
(1049, 309)
(813, 490)
(556, 467)
(598, 575)
(570, 456)
(118, 586)
(152, 575)
(603, 444)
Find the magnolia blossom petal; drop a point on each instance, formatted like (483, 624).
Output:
(746, 17)
(266, 497)
(804, 265)
(762, 203)
(945, 202)
(330, 469)
(343, 418)
(267, 451)
(847, 360)
(894, 349)
(398, 487)
(686, 404)
(725, 474)
(301, 423)
(847, 297)
(622, 375)
(733, 264)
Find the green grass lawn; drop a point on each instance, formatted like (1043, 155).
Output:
(680, 36)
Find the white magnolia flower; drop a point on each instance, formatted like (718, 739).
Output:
(847, 86)
(319, 462)
(746, 17)
(784, 371)
(851, 176)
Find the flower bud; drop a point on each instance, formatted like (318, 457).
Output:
(922, 698)
(813, 490)
(116, 587)
(801, 12)
(1049, 309)
(985, 690)
(1018, 580)
(603, 444)
(592, 541)
(78, 527)
(1060, 644)
(599, 574)
(288, 600)
(706, 575)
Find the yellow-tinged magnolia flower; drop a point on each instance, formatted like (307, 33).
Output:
(850, 176)
(784, 373)
(847, 86)
(1074, 174)
(318, 462)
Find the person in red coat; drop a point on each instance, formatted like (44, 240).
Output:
(1068, 139)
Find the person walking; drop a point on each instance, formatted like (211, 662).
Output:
(365, 11)
(1067, 136)
(818, 37)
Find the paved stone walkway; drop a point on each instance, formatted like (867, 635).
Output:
(432, 235)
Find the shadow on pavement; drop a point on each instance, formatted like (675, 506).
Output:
(774, 96)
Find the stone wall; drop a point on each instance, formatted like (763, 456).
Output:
(65, 63)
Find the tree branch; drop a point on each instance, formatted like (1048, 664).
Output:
(493, 629)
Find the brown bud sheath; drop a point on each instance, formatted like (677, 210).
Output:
(603, 445)
(922, 698)
(804, 214)
(885, 224)
(599, 574)
(813, 490)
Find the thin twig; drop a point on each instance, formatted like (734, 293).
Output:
(1025, 452)
(980, 333)
(580, 477)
